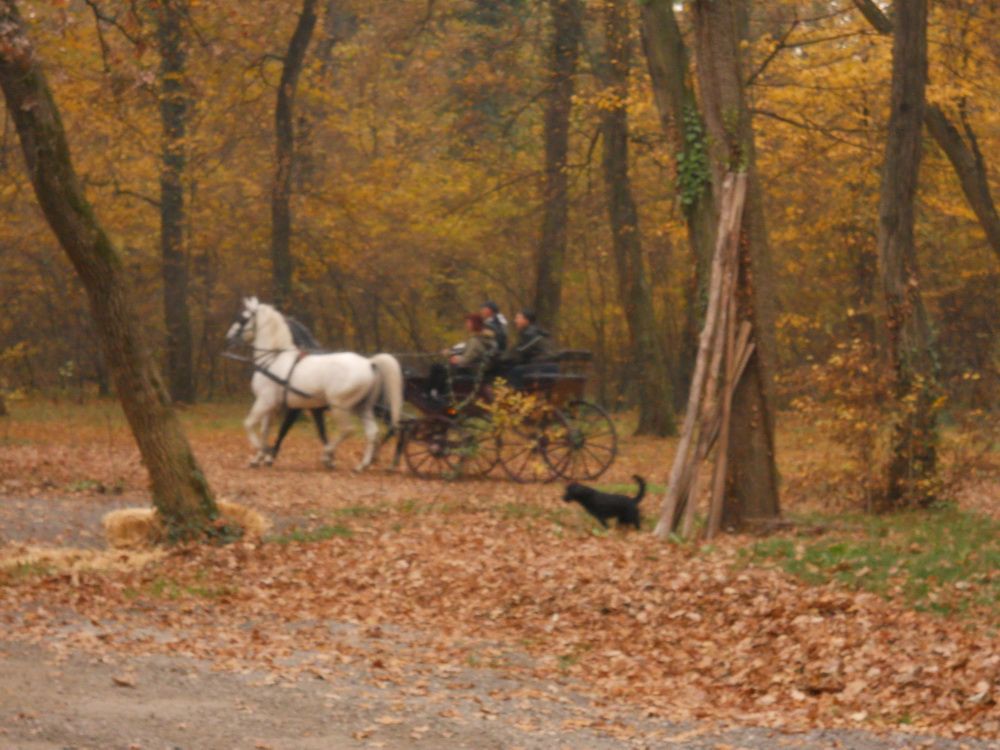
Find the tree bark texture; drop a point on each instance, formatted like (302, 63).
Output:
(680, 116)
(173, 119)
(912, 465)
(281, 213)
(752, 477)
(563, 52)
(180, 491)
(649, 359)
(962, 152)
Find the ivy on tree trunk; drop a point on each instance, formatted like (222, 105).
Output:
(913, 463)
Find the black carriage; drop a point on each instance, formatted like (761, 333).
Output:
(532, 421)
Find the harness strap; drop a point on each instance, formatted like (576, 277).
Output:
(299, 356)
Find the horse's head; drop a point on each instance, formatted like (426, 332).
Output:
(262, 326)
(245, 326)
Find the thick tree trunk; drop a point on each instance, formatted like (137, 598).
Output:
(649, 361)
(281, 214)
(964, 156)
(912, 465)
(180, 491)
(173, 118)
(680, 116)
(752, 478)
(566, 32)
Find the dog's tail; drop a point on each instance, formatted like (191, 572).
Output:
(642, 489)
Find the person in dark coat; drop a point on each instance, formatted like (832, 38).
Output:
(494, 320)
(531, 355)
(533, 342)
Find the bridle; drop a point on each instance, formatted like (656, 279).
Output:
(261, 358)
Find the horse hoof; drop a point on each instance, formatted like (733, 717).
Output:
(269, 461)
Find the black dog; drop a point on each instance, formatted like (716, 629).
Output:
(604, 505)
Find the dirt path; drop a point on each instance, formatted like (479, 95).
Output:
(51, 701)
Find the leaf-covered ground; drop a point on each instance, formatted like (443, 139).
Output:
(484, 574)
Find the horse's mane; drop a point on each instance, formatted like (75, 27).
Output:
(272, 330)
(301, 336)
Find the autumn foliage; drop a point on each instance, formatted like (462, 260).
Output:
(417, 187)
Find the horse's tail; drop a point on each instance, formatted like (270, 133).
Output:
(391, 376)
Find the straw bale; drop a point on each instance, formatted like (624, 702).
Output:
(140, 528)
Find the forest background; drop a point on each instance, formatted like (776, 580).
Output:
(417, 186)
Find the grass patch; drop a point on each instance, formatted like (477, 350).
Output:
(24, 571)
(414, 507)
(945, 560)
(360, 511)
(163, 587)
(318, 534)
(517, 511)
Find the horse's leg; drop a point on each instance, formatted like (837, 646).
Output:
(371, 438)
(291, 415)
(258, 417)
(320, 424)
(342, 424)
(265, 428)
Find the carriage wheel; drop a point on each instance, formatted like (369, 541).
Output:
(524, 446)
(432, 448)
(590, 443)
(480, 448)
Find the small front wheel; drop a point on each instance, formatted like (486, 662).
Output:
(524, 446)
(432, 448)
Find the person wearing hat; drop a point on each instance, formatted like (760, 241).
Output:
(494, 320)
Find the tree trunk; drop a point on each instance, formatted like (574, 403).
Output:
(281, 214)
(965, 157)
(912, 465)
(649, 361)
(180, 490)
(752, 478)
(173, 118)
(680, 116)
(566, 32)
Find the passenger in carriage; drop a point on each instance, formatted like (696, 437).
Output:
(495, 321)
(481, 346)
(469, 360)
(532, 354)
(533, 342)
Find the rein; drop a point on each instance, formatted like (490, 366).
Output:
(262, 369)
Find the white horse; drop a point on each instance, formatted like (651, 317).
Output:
(285, 376)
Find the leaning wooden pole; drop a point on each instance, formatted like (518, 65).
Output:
(698, 431)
